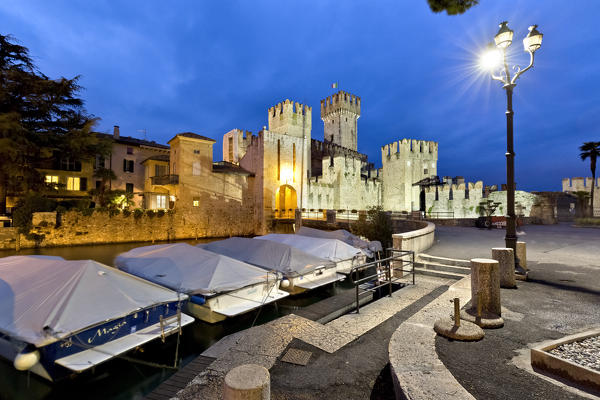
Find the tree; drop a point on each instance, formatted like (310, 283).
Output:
(38, 116)
(591, 150)
(376, 225)
(452, 7)
(102, 194)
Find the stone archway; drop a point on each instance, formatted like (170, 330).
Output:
(286, 200)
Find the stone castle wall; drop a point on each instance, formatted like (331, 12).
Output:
(404, 163)
(463, 200)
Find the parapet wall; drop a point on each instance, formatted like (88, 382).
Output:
(409, 148)
(290, 117)
(340, 101)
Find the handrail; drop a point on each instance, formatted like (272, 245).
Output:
(385, 266)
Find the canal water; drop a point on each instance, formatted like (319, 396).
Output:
(122, 379)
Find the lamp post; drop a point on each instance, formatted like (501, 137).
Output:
(496, 61)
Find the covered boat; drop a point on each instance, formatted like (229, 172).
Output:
(368, 247)
(344, 255)
(60, 317)
(301, 271)
(218, 286)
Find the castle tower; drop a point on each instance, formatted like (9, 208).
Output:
(340, 113)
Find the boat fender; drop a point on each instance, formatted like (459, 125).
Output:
(25, 361)
(200, 300)
(285, 283)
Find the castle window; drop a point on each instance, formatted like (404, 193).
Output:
(466, 191)
(196, 151)
(278, 159)
(451, 195)
(437, 195)
(230, 148)
(196, 168)
(425, 171)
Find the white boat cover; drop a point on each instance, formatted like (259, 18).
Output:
(269, 255)
(44, 298)
(330, 249)
(344, 236)
(189, 269)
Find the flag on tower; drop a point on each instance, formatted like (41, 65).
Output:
(334, 85)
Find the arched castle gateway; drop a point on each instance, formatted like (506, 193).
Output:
(292, 167)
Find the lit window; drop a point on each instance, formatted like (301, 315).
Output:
(72, 183)
(196, 202)
(52, 180)
(161, 201)
(196, 168)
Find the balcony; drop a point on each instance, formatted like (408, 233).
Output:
(165, 180)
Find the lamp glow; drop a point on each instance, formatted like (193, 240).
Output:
(491, 58)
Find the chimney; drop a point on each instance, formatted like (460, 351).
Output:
(116, 133)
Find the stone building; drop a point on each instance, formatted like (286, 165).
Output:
(579, 184)
(127, 162)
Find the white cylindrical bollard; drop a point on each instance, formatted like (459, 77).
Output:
(522, 255)
(506, 260)
(247, 382)
(485, 285)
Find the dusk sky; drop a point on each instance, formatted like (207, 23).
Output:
(211, 66)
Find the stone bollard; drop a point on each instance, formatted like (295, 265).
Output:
(506, 260)
(522, 255)
(485, 285)
(247, 382)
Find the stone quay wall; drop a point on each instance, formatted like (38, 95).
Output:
(74, 228)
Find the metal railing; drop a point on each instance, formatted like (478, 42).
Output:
(165, 180)
(384, 273)
(441, 214)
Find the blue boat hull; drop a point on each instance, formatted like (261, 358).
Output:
(85, 339)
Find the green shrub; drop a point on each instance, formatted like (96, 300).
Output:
(114, 211)
(86, 211)
(137, 213)
(587, 221)
(126, 213)
(376, 225)
(160, 213)
(150, 213)
(23, 213)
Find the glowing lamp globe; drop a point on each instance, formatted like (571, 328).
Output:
(533, 40)
(504, 36)
(491, 58)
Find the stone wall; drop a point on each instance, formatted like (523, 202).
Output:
(463, 200)
(74, 228)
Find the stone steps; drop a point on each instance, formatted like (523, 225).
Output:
(442, 267)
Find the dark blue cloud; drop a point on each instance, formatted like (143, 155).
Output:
(209, 67)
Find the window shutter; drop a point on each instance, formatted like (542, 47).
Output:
(124, 165)
(130, 165)
(83, 184)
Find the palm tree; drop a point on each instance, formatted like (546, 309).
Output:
(591, 150)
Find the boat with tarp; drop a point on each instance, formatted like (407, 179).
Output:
(301, 271)
(342, 254)
(369, 248)
(60, 317)
(219, 286)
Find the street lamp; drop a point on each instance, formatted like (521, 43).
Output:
(494, 59)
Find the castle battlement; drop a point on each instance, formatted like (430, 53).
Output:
(340, 101)
(410, 147)
(579, 184)
(290, 117)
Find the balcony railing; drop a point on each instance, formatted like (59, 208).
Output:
(165, 180)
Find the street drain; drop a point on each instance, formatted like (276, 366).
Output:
(296, 356)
